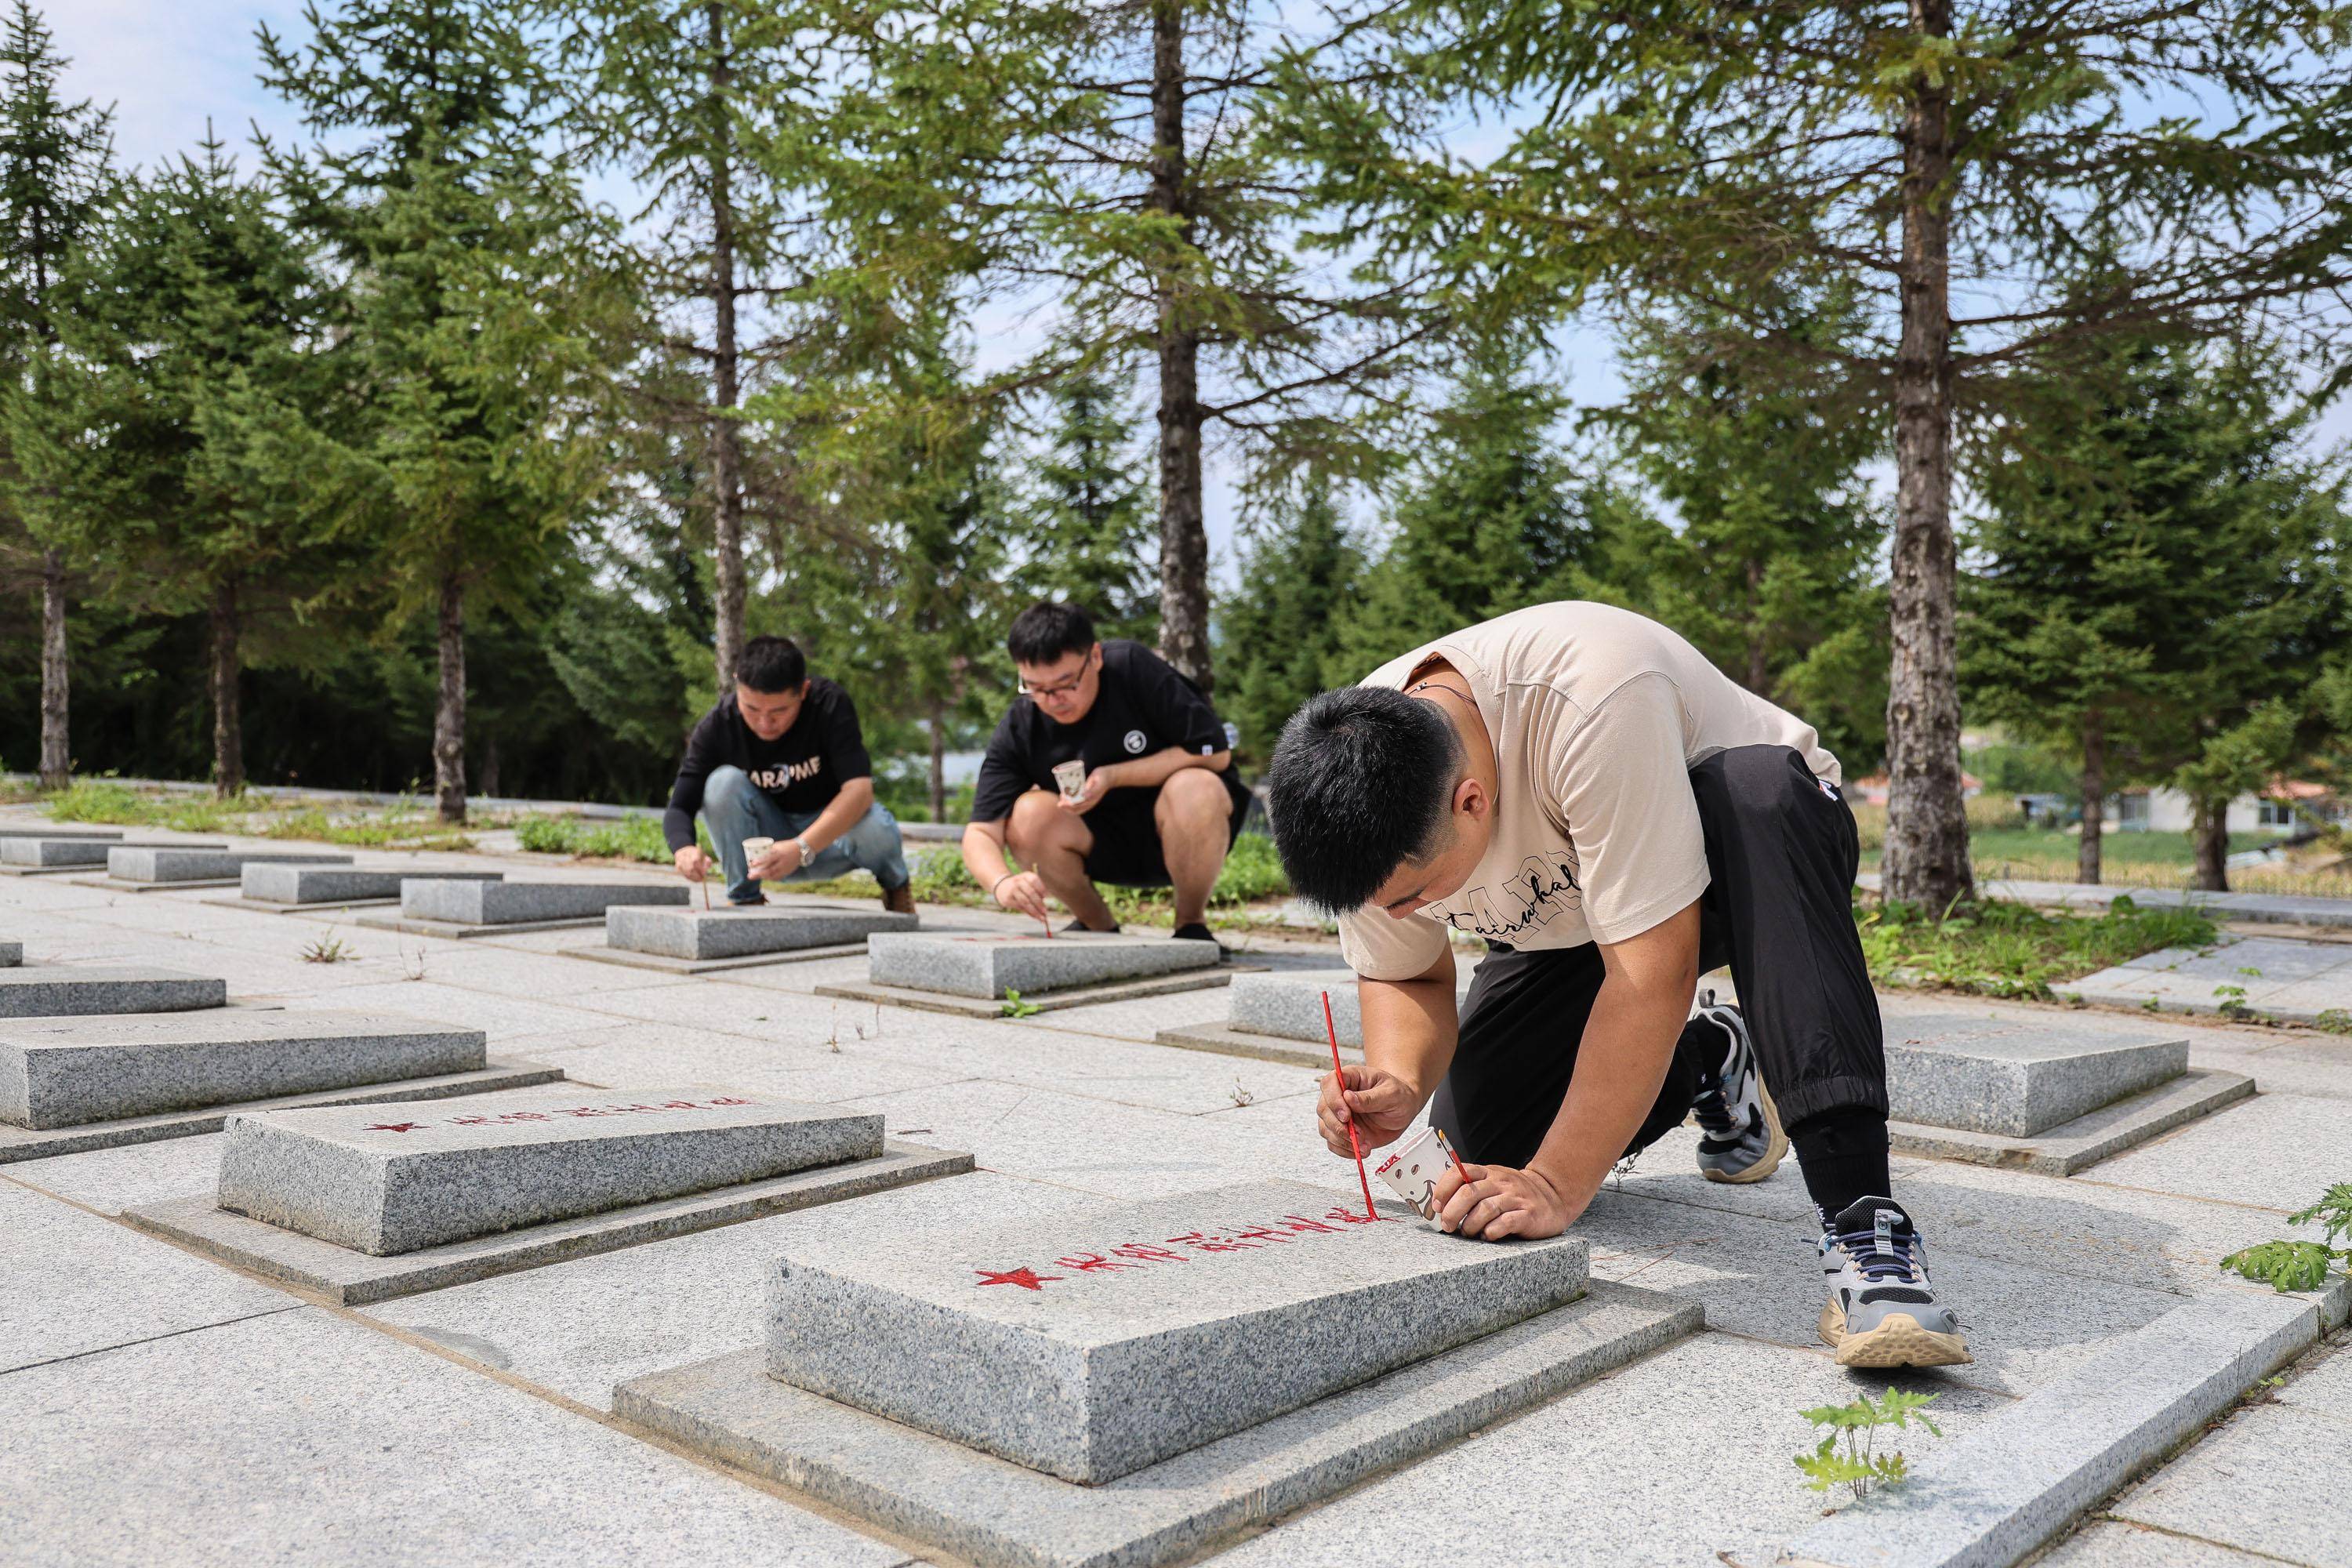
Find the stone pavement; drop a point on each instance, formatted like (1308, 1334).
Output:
(2294, 978)
(155, 1406)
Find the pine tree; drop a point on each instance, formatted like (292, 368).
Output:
(193, 358)
(56, 180)
(1487, 519)
(1119, 162)
(484, 310)
(1951, 163)
(715, 109)
(1771, 572)
(1278, 630)
(1085, 518)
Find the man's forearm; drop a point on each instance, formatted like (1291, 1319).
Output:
(1411, 1027)
(1143, 773)
(984, 855)
(1629, 1041)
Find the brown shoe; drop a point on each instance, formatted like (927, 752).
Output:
(899, 900)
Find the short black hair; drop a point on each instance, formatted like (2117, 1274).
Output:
(1359, 783)
(1045, 631)
(770, 665)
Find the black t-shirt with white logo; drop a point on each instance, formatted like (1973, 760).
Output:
(801, 770)
(1144, 706)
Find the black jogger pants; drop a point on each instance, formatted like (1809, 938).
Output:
(1782, 855)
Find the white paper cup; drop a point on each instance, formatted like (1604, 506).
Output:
(755, 847)
(1071, 777)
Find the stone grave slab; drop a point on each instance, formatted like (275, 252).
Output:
(136, 868)
(363, 1203)
(2017, 1076)
(694, 941)
(1090, 1346)
(986, 966)
(472, 909)
(65, 1072)
(288, 884)
(388, 1185)
(2076, 1145)
(12, 954)
(25, 1144)
(1277, 1016)
(58, 830)
(49, 990)
(1001, 1512)
(44, 854)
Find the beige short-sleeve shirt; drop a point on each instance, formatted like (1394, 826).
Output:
(1597, 715)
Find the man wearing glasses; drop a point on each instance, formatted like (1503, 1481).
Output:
(1153, 802)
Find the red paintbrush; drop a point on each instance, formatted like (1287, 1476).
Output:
(1332, 1030)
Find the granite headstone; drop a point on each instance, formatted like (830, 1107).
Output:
(2017, 1077)
(68, 1072)
(699, 934)
(385, 1181)
(517, 903)
(1091, 1344)
(278, 882)
(176, 863)
(988, 966)
(56, 990)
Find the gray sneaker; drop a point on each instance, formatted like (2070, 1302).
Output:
(1882, 1311)
(1741, 1140)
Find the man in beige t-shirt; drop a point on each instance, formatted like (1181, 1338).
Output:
(1580, 788)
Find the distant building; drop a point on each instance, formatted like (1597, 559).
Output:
(2287, 805)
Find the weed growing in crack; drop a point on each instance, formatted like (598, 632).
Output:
(1848, 1452)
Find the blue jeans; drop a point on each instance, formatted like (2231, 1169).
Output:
(735, 809)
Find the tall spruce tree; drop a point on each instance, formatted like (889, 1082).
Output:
(1488, 518)
(193, 360)
(484, 312)
(1772, 570)
(1085, 518)
(1278, 630)
(1948, 162)
(716, 110)
(56, 177)
(1115, 163)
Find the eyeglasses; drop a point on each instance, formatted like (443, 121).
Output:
(1055, 688)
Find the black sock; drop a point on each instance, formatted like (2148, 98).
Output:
(1843, 1156)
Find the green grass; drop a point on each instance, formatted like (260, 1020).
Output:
(1998, 949)
(403, 826)
(627, 838)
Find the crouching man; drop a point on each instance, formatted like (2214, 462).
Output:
(1153, 802)
(783, 759)
(1577, 786)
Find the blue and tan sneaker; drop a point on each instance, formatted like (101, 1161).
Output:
(1740, 1139)
(1881, 1311)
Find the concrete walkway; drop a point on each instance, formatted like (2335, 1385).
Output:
(2274, 909)
(156, 1406)
(2281, 977)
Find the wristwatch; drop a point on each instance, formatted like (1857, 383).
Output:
(807, 854)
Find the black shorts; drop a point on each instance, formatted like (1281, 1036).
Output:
(1127, 851)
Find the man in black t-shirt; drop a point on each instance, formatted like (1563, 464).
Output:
(783, 759)
(1159, 805)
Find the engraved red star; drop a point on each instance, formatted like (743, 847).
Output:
(396, 1127)
(1025, 1277)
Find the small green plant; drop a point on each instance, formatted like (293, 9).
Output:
(1016, 1008)
(2229, 1000)
(328, 950)
(2286, 1265)
(2334, 1020)
(1847, 1455)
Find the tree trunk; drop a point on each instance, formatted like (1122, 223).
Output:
(1926, 858)
(228, 720)
(1756, 651)
(1183, 538)
(2212, 837)
(939, 761)
(56, 748)
(449, 714)
(2095, 796)
(726, 435)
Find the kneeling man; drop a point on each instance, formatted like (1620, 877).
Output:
(1577, 786)
(1154, 803)
(783, 759)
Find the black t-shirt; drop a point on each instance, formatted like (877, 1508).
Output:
(1144, 706)
(801, 770)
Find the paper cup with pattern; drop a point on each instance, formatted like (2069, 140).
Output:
(1070, 778)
